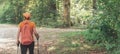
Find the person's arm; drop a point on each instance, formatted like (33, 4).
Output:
(35, 33)
(18, 34)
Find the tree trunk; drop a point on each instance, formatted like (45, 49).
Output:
(53, 9)
(66, 13)
(94, 7)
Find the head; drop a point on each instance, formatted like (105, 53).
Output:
(26, 15)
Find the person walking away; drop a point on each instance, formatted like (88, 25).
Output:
(26, 31)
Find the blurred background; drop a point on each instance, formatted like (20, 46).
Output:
(69, 26)
(48, 13)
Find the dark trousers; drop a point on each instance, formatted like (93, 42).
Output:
(29, 47)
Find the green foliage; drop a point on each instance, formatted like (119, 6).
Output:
(41, 10)
(98, 39)
(70, 43)
(104, 27)
(45, 10)
(81, 11)
(92, 36)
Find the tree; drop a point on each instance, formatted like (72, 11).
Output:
(66, 13)
(94, 7)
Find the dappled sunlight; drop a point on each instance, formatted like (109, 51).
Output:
(47, 44)
(51, 48)
(82, 48)
(64, 26)
(86, 46)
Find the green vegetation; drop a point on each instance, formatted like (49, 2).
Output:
(45, 13)
(101, 17)
(79, 42)
(71, 43)
(105, 25)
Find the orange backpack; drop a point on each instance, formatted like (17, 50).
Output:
(26, 37)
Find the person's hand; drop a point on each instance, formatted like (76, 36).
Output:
(17, 42)
(37, 36)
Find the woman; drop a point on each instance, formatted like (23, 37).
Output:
(25, 35)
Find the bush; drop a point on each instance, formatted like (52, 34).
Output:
(97, 38)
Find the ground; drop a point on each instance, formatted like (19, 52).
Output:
(8, 35)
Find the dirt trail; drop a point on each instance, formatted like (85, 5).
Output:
(8, 37)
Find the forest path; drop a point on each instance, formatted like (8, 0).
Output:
(8, 35)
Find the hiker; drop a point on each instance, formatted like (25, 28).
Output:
(26, 31)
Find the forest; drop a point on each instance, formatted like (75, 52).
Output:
(98, 20)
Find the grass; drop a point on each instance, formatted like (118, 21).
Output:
(71, 43)
(75, 43)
